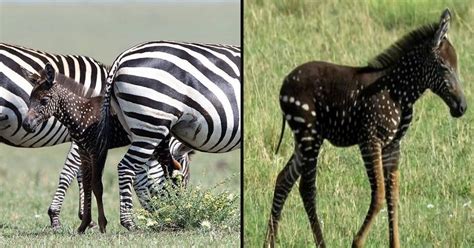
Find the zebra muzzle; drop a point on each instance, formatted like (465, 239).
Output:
(30, 123)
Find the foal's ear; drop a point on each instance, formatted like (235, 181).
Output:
(442, 28)
(31, 77)
(49, 70)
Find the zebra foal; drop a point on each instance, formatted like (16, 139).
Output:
(370, 107)
(162, 88)
(14, 97)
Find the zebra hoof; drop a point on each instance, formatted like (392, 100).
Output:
(54, 219)
(128, 224)
(92, 224)
(56, 226)
(130, 227)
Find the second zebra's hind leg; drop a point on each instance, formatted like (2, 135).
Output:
(68, 173)
(171, 167)
(307, 151)
(137, 155)
(284, 183)
(140, 184)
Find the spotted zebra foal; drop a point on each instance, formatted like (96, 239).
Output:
(49, 98)
(366, 106)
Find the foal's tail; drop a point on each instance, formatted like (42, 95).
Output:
(281, 134)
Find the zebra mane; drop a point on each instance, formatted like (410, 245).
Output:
(69, 83)
(392, 54)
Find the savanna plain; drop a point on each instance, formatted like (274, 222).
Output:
(29, 177)
(436, 189)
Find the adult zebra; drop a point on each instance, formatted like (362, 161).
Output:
(14, 96)
(161, 88)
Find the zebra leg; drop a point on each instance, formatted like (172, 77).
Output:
(167, 161)
(391, 156)
(307, 151)
(137, 155)
(372, 156)
(155, 179)
(98, 189)
(284, 182)
(68, 173)
(140, 184)
(87, 185)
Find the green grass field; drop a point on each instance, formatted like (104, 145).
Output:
(28, 177)
(437, 153)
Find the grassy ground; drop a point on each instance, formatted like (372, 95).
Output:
(27, 184)
(437, 153)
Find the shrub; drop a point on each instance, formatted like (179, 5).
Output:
(192, 208)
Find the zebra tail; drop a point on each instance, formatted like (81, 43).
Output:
(103, 126)
(281, 135)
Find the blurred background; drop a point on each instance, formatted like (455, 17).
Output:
(101, 29)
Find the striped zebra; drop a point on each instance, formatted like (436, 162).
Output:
(162, 88)
(14, 96)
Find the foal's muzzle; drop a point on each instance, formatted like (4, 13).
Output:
(30, 122)
(459, 111)
(458, 107)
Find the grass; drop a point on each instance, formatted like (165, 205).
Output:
(27, 184)
(437, 153)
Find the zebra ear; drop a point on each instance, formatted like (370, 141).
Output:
(443, 27)
(49, 73)
(31, 77)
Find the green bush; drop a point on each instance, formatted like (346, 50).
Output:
(192, 208)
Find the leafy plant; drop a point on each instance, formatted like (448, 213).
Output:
(192, 208)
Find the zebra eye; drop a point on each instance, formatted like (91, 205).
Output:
(44, 101)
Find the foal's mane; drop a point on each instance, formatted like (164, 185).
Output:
(392, 54)
(69, 83)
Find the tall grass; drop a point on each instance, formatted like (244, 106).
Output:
(437, 153)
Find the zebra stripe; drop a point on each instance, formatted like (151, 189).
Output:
(14, 95)
(157, 88)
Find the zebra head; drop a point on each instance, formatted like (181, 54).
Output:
(42, 98)
(442, 74)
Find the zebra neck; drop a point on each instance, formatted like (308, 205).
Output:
(77, 114)
(405, 84)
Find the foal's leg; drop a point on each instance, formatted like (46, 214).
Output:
(68, 173)
(372, 156)
(308, 145)
(97, 187)
(87, 183)
(391, 156)
(284, 182)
